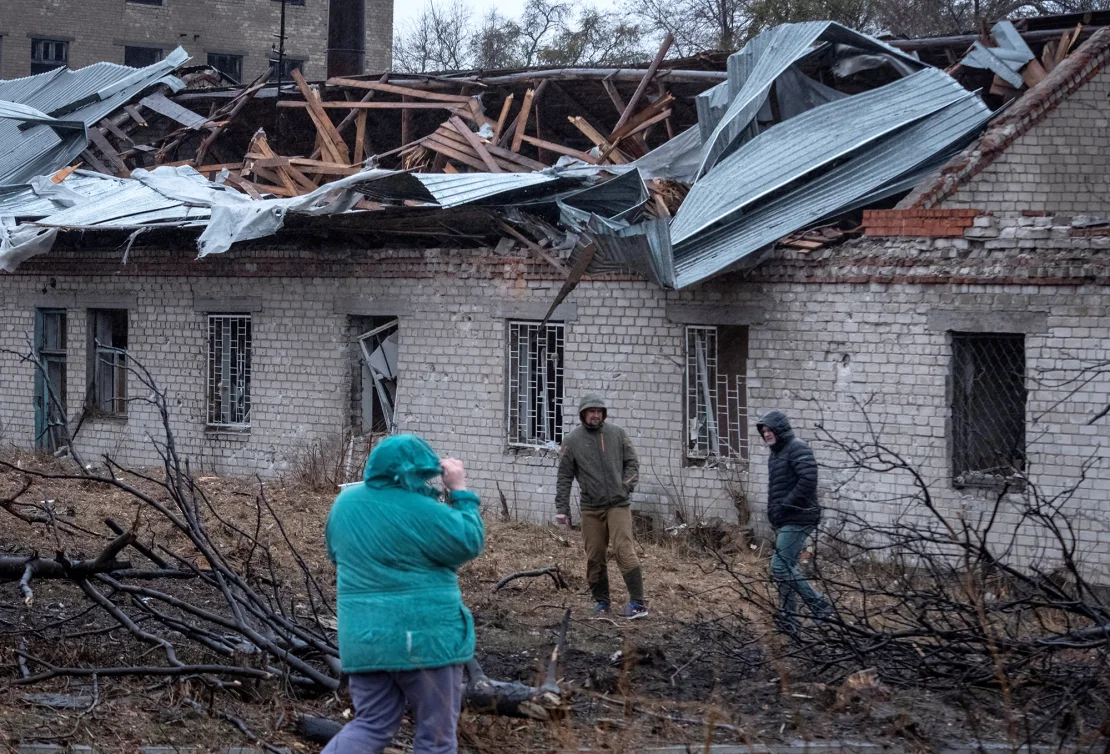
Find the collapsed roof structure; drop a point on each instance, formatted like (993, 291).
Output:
(679, 170)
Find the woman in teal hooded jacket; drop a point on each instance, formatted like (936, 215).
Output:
(404, 632)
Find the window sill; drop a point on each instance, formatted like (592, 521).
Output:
(94, 416)
(989, 482)
(533, 450)
(227, 433)
(716, 462)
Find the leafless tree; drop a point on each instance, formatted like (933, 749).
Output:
(955, 601)
(439, 40)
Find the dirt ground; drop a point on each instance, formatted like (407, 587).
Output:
(699, 660)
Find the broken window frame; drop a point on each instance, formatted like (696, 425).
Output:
(138, 56)
(987, 383)
(51, 343)
(534, 397)
(235, 64)
(228, 390)
(715, 400)
(107, 362)
(368, 343)
(48, 54)
(288, 64)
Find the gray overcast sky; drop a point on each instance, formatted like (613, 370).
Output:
(405, 11)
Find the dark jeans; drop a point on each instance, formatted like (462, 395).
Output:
(789, 543)
(433, 694)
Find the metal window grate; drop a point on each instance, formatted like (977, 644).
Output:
(988, 407)
(108, 370)
(535, 381)
(229, 370)
(716, 401)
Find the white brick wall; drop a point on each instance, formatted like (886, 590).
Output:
(822, 349)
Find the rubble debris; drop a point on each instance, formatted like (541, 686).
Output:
(726, 156)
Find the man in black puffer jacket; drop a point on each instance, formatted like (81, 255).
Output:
(793, 511)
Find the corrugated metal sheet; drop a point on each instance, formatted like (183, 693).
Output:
(26, 202)
(86, 95)
(133, 204)
(917, 146)
(1007, 59)
(763, 59)
(453, 190)
(799, 146)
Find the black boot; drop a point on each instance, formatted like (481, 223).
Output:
(600, 591)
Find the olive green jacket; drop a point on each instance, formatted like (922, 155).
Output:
(604, 463)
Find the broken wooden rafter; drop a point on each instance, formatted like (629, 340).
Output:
(475, 143)
(332, 142)
(402, 90)
(360, 137)
(510, 131)
(591, 133)
(375, 105)
(503, 117)
(630, 108)
(560, 149)
(228, 114)
(522, 119)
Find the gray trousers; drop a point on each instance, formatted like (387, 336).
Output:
(433, 694)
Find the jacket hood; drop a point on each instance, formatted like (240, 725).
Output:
(405, 462)
(592, 400)
(777, 422)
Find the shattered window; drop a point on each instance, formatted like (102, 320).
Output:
(988, 407)
(288, 65)
(716, 405)
(141, 57)
(375, 379)
(229, 370)
(229, 65)
(107, 368)
(48, 54)
(535, 382)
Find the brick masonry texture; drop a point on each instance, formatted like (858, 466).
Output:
(99, 30)
(851, 326)
(1060, 165)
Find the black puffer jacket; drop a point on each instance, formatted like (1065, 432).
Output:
(791, 475)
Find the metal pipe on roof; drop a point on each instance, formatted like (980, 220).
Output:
(967, 39)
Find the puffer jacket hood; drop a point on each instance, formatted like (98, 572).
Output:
(777, 422)
(405, 462)
(592, 400)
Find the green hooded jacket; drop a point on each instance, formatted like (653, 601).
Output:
(602, 460)
(396, 549)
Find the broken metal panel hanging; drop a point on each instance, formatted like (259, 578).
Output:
(800, 146)
(907, 152)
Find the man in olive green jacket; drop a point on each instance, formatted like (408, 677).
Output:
(601, 457)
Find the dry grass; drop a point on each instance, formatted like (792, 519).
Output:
(677, 675)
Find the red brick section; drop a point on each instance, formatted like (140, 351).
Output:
(920, 223)
(1029, 110)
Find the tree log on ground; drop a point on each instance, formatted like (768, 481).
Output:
(238, 621)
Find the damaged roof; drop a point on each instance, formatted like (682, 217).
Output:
(675, 172)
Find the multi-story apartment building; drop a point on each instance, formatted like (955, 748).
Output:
(239, 37)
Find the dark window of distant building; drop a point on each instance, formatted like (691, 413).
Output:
(140, 57)
(146, 2)
(287, 67)
(291, 2)
(229, 65)
(48, 54)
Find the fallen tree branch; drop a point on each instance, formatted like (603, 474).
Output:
(552, 571)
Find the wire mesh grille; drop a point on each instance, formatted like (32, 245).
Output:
(535, 381)
(716, 401)
(988, 407)
(229, 370)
